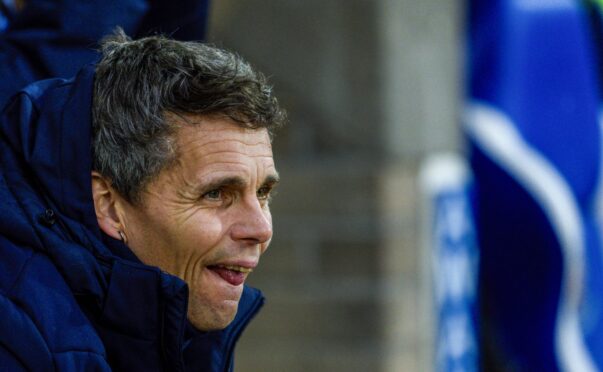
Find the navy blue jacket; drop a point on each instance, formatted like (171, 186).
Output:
(54, 38)
(71, 298)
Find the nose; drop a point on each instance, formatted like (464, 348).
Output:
(254, 224)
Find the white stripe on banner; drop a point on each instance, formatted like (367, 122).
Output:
(494, 133)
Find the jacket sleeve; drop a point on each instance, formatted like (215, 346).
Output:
(54, 38)
(9, 362)
(22, 346)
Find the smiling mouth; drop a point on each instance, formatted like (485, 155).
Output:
(233, 274)
(236, 268)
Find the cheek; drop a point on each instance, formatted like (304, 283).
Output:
(194, 243)
(203, 232)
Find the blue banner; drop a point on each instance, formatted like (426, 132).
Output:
(532, 120)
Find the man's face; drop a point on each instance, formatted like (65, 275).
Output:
(206, 218)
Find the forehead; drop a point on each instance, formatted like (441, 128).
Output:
(206, 141)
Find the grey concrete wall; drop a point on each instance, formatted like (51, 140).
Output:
(371, 87)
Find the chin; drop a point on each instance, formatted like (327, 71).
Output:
(213, 319)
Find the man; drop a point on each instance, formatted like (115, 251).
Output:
(135, 203)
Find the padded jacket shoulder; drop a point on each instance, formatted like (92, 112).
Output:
(41, 326)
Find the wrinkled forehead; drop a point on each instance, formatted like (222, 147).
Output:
(210, 151)
(211, 121)
(223, 136)
(207, 141)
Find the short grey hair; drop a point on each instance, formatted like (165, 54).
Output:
(142, 85)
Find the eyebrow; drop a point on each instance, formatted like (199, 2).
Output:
(271, 180)
(224, 182)
(235, 181)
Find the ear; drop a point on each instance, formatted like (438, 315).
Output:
(106, 204)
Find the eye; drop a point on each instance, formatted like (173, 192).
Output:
(264, 193)
(213, 194)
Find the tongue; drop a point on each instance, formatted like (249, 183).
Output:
(231, 276)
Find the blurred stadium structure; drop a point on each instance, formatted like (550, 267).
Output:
(373, 264)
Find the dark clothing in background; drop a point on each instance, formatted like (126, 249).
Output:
(71, 298)
(52, 38)
(6, 13)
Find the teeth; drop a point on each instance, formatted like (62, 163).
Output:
(237, 268)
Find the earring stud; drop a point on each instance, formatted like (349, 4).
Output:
(122, 236)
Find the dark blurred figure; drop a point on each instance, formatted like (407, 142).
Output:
(8, 9)
(40, 39)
